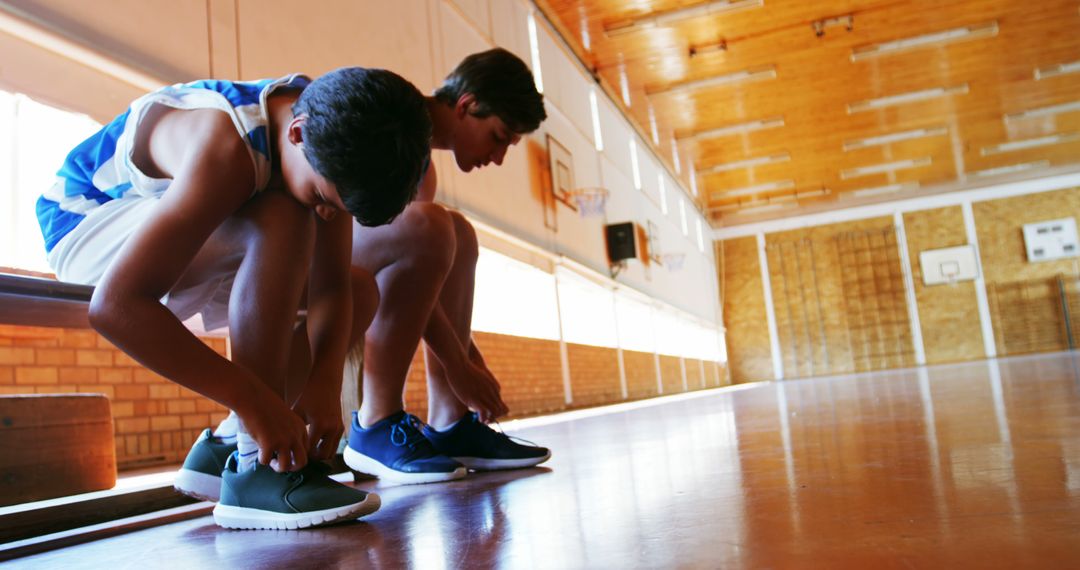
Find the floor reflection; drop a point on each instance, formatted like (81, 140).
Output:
(967, 465)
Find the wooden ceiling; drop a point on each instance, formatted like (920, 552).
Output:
(817, 104)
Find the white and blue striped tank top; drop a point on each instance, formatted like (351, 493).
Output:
(100, 169)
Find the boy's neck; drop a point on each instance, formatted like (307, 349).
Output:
(442, 123)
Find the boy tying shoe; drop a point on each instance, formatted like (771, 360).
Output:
(424, 265)
(220, 199)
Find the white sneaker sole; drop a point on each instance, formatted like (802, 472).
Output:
(198, 485)
(482, 464)
(364, 464)
(230, 516)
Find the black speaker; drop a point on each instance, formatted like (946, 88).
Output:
(620, 241)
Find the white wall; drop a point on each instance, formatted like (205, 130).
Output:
(420, 39)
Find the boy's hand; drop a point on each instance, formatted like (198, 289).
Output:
(322, 411)
(279, 432)
(478, 389)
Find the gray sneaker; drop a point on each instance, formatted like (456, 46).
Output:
(200, 477)
(263, 498)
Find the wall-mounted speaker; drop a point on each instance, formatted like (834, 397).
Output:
(620, 241)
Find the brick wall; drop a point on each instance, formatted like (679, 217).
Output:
(156, 420)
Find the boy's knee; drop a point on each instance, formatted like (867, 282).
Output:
(430, 232)
(468, 248)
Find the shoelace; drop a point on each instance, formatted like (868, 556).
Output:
(500, 434)
(407, 432)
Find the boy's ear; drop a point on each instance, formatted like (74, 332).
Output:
(464, 105)
(295, 130)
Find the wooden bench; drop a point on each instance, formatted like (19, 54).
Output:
(38, 302)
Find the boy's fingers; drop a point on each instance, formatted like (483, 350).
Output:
(265, 455)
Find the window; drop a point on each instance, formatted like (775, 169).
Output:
(34, 140)
(634, 164)
(514, 298)
(598, 137)
(534, 49)
(587, 309)
(663, 193)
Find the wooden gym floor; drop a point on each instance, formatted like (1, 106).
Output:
(971, 465)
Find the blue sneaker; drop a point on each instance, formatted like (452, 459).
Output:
(263, 498)
(394, 450)
(479, 447)
(200, 477)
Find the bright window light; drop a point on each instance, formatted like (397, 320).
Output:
(671, 336)
(635, 324)
(675, 156)
(634, 164)
(587, 309)
(682, 217)
(598, 136)
(653, 127)
(34, 140)
(700, 237)
(514, 298)
(693, 182)
(534, 49)
(663, 193)
(624, 85)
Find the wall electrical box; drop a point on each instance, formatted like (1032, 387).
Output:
(1053, 239)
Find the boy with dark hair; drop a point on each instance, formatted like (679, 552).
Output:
(414, 278)
(205, 198)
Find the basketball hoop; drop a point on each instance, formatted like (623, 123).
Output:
(590, 202)
(673, 261)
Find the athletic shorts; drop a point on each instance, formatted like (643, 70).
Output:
(85, 253)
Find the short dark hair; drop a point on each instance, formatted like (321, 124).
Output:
(503, 86)
(368, 132)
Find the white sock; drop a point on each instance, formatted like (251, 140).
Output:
(248, 449)
(226, 430)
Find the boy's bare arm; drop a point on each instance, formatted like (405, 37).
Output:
(212, 177)
(329, 326)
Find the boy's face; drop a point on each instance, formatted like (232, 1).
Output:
(306, 185)
(479, 141)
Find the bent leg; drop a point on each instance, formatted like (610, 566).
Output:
(410, 259)
(456, 299)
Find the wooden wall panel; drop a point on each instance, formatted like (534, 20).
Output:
(1025, 298)
(640, 374)
(741, 291)
(949, 314)
(594, 375)
(671, 373)
(812, 312)
(999, 224)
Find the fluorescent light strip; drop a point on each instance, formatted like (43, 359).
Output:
(879, 190)
(766, 208)
(756, 189)
(813, 193)
(761, 160)
(668, 17)
(1045, 111)
(885, 167)
(905, 98)
(890, 138)
(716, 80)
(737, 128)
(1011, 169)
(1030, 143)
(1057, 70)
(937, 38)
